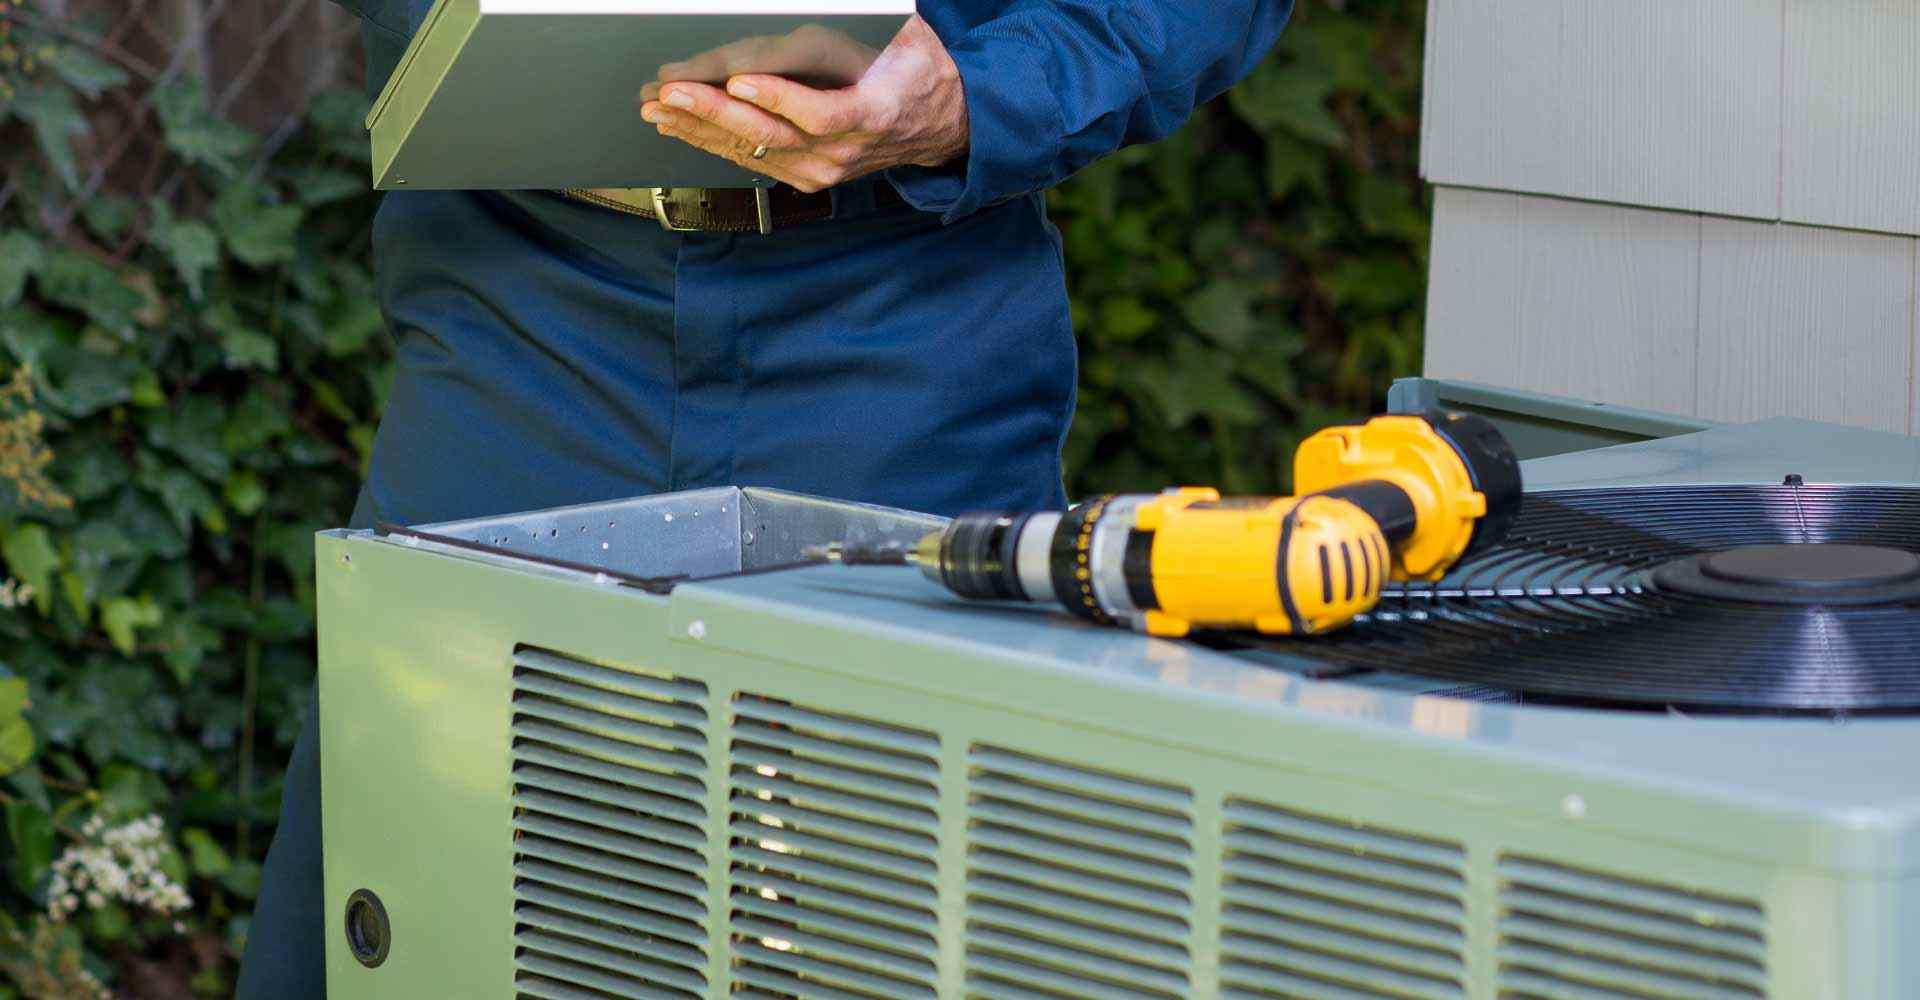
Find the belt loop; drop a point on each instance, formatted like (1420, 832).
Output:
(856, 198)
(763, 209)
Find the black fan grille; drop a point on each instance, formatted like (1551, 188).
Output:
(1564, 610)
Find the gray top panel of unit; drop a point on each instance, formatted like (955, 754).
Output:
(1857, 773)
(1763, 452)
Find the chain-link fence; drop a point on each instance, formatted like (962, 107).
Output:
(260, 62)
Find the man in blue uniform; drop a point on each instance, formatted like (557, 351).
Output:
(901, 336)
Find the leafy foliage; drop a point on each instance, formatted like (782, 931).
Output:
(205, 372)
(206, 368)
(1260, 274)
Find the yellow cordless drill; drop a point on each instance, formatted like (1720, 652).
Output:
(1397, 498)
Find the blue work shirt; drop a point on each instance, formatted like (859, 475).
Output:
(552, 351)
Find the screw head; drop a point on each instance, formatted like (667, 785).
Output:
(369, 931)
(696, 629)
(1573, 807)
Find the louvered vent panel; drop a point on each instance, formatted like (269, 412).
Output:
(609, 830)
(1571, 932)
(1320, 909)
(834, 884)
(1079, 882)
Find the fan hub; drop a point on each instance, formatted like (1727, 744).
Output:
(1814, 573)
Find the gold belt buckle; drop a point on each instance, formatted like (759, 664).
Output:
(762, 203)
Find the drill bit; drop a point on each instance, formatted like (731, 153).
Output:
(892, 554)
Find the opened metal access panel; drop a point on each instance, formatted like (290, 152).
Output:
(615, 751)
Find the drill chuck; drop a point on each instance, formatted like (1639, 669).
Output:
(1402, 497)
(1287, 565)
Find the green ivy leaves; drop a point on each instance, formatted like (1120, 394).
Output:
(120, 617)
(56, 118)
(1289, 97)
(167, 643)
(52, 106)
(190, 245)
(33, 560)
(21, 257)
(194, 132)
(1223, 312)
(16, 736)
(259, 233)
(30, 834)
(86, 73)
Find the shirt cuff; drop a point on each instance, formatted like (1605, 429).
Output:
(1014, 124)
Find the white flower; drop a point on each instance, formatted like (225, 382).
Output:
(122, 863)
(14, 594)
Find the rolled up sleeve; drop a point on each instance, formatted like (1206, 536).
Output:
(1053, 85)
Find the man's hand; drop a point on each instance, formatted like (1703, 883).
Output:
(909, 108)
(813, 54)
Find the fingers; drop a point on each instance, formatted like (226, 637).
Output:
(816, 112)
(793, 168)
(814, 52)
(749, 124)
(731, 128)
(802, 169)
(810, 51)
(715, 140)
(715, 65)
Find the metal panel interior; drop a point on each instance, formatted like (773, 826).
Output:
(695, 534)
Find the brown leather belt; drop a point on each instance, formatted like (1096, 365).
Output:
(726, 210)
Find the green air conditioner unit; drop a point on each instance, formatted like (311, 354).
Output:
(618, 751)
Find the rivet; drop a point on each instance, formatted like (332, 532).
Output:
(669, 517)
(1574, 807)
(696, 629)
